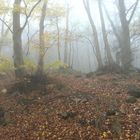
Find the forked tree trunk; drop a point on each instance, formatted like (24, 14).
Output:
(126, 56)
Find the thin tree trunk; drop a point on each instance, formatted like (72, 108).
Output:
(2, 26)
(106, 43)
(58, 40)
(69, 58)
(40, 70)
(95, 35)
(66, 36)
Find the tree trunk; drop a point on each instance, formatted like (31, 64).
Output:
(126, 56)
(70, 52)
(66, 36)
(58, 40)
(95, 35)
(17, 42)
(40, 70)
(106, 43)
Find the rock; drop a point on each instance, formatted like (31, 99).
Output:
(111, 112)
(134, 91)
(131, 99)
(84, 100)
(27, 102)
(16, 93)
(116, 127)
(90, 74)
(82, 122)
(4, 91)
(60, 86)
(2, 116)
(78, 75)
(2, 74)
(2, 112)
(92, 122)
(76, 100)
(3, 121)
(67, 115)
(123, 108)
(137, 110)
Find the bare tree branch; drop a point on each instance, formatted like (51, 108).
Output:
(7, 30)
(6, 25)
(133, 12)
(130, 8)
(112, 24)
(90, 42)
(28, 16)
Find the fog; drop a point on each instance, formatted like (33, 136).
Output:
(69, 69)
(81, 41)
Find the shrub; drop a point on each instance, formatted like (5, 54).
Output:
(30, 65)
(55, 66)
(6, 64)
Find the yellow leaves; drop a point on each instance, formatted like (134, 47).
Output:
(29, 65)
(47, 37)
(105, 135)
(55, 11)
(3, 7)
(18, 8)
(56, 65)
(5, 64)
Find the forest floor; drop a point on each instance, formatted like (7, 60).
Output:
(70, 107)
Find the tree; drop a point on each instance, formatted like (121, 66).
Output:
(126, 56)
(66, 34)
(4, 11)
(17, 34)
(123, 37)
(106, 43)
(56, 13)
(17, 41)
(40, 69)
(95, 35)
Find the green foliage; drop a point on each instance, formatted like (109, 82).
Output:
(29, 65)
(6, 64)
(56, 65)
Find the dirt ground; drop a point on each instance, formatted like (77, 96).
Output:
(68, 107)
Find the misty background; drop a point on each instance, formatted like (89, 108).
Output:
(80, 36)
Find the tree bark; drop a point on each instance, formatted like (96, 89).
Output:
(40, 70)
(95, 35)
(126, 56)
(17, 41)
(66, 36)
(106, 43)
(58, 40)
